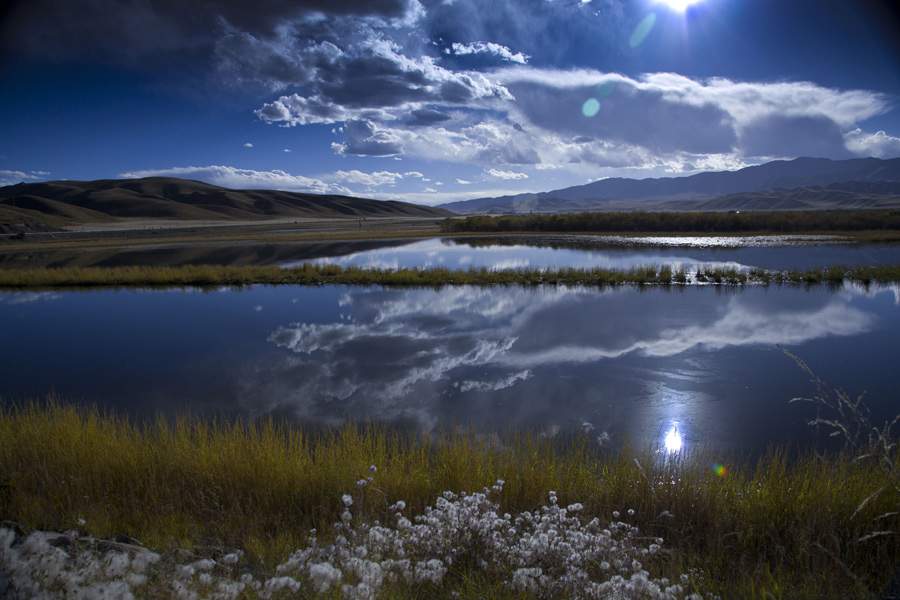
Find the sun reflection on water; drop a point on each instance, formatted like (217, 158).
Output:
(673, 441)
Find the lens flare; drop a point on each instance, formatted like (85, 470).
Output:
(673, 440)
(591, 107)
(642, 30)
(719, 470)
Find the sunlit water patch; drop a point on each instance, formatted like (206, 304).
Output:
(698, 365)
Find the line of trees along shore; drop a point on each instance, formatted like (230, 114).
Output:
(704, 222)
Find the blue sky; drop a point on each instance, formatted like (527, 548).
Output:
(433, 101)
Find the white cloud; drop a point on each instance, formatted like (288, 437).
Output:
(235, 178)
(653, 125)
(368, 179)
(488, 48)
(421, 348)
(879, 145)
(463, 181)
(13, 177)
(248, 145)
(505, 174)
(667, 114)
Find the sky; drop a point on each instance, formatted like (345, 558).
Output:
(434, 101)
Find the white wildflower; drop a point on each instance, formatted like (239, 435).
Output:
(204, 564)
(323, 576)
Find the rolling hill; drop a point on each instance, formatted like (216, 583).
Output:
(61, 202)
(799, 184)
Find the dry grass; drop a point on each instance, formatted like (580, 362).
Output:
(785, 526)
(308, 274)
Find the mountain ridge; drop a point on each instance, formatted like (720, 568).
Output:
(668, 193)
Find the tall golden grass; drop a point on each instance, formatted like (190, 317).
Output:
(788, 525)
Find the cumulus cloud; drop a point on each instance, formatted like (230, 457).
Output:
(667, 114)
(506, 174)
(369, 179)
(879, 145)
(580, 119)
(491, 48)
(235, 178)
(363, 138)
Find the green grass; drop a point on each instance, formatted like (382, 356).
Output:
(787, 525)
(308, 274)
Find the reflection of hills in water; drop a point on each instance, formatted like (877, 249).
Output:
(618, 242)
(526, 251)
(171, 256)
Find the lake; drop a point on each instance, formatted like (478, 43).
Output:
(702, 361)
(768, 252)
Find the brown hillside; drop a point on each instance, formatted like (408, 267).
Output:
(171, 198)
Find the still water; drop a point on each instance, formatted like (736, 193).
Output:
(611, 252)
(702, 361)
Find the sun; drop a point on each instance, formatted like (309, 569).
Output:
(679, 5)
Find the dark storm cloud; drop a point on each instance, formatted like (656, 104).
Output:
(374, 80)
(508, 154)
(425, 117)
(790, 136)
(627, 114)
(125, 30)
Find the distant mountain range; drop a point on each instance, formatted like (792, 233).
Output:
(799, 184)
(104, 200)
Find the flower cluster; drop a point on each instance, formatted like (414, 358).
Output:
(552, 551)
(548, 552)
(38, 566)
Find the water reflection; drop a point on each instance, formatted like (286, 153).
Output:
(613, 252)
(673, 442)
(659, 364)
(698, 362)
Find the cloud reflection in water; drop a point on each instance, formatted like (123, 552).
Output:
(535, 358)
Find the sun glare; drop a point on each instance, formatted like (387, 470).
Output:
(673, 440)
(679, 5)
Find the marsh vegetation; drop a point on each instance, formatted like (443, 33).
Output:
(685, 222)
(310, 274)
(222, 504)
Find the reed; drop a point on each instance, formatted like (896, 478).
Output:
(308, 274)
(684, 222)
(789, 524)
